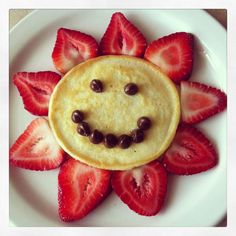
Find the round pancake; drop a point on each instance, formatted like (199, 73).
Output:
(113, 111)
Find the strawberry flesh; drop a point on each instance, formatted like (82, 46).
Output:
(122, 38)
(190, 152)
(71, 48)
(36, 148)
(200, 101)
(80, 189)
(35, 89)
(173, 54)
(143, 188)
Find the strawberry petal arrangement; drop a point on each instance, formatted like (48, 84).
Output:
(143, 189)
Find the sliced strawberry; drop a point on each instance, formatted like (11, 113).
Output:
(143, 188)
(190, 152)
(173, 54)
(80, 189)
(35, 89)
(122, 37)
(71, 48)
(200, 101)
(36, 148)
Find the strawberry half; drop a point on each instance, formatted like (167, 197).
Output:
(80, 189)
(122, 37)
(200, 101)
(143, 188)
(35, 89)
(190, 152)
(36, 148)
(71, 48)
(173, 54)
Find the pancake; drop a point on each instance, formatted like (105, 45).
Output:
(113, 111)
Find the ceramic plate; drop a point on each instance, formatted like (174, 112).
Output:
(197, 200)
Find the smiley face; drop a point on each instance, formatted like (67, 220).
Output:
(110, 140)
(113, 111)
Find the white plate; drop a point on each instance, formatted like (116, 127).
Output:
(198, 200)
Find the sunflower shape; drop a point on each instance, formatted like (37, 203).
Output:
(116, 120)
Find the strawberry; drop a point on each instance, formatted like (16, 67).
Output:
(200, 101)
(71, 48)
(36, 148)
(122, 37)
(143, 188)
(35, 89)
(190, 152)
(80, 189)
(173, 54)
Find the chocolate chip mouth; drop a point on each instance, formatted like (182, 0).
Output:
(110, 140)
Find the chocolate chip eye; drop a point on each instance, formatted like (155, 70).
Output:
(96, 85)
(131, 89)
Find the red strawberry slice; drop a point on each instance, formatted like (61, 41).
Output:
(36, 148)
(71, 48)
(122, 37)
(173, 54)
(200, 101)
(80, 189)
(35, 89)
(190, 152)
(143, 189)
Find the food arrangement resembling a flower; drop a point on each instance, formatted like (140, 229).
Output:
(114, 118)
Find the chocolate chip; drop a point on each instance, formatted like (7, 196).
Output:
(77, 116)
(110, 140)
(144, 123)
(83, 129)
(96, 85)
(124, 141)
(137, 135)
(131, 89)
(96, 137)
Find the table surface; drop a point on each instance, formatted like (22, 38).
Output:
(15, 15)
